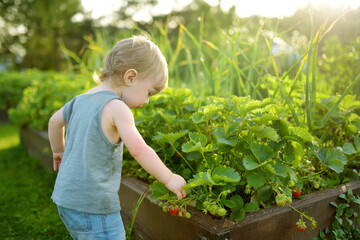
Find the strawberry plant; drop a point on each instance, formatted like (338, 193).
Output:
(237, 154)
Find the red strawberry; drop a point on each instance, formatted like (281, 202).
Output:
(296, 193)
(300, 225)
(174, 210)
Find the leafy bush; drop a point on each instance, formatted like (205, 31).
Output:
(47, 93)
(12, 86)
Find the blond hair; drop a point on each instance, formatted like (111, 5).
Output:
(137, 53)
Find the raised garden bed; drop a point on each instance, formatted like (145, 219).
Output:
(152, 223)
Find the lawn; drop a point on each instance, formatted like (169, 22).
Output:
(26, 210)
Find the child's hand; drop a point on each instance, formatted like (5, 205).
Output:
(57, 157)
(175, 185)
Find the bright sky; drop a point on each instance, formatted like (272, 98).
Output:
(244, 8)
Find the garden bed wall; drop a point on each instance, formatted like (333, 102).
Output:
(275, 223)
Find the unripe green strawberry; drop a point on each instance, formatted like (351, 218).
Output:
(281, 200)
(221, 212)
(213, 209)
(206, 204)
(247, 189)
(188, 215)
(160, 204)
(165, 209)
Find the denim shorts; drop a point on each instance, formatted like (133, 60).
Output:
(92, 226)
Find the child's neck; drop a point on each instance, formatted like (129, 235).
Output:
(106, 86)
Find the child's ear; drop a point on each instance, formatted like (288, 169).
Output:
(129, 76)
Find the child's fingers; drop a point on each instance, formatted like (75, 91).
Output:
(57, 157)
(56, 164)
(181, 194)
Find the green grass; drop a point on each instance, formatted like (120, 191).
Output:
(26, 210)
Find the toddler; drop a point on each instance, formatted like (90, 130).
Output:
(98, 123)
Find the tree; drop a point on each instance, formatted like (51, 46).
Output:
(34, 30)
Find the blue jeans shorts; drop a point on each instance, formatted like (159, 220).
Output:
(92, 226)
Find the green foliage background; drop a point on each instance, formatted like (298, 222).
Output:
(256, 107)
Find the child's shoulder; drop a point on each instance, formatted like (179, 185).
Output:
(116, 107)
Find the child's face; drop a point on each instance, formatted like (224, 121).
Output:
(139, 92)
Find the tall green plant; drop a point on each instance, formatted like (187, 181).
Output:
(309, 63)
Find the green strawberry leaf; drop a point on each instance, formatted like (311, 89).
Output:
(251, 207)
(198, 117)
(238, 200)
(250, 163)
(237, 214)
(332, 158)
(264, 193)
(228, 203)
(264, 132)
(198, 180)
(206, 113)
(222, 137)
(349, 149)
(336, 154)
(267, 117)
(262, 152)
(198, 138)
(222, 175)
(335, 165)
(191, 147)
(159, 191)
(301, 133)
(210, 148)
(172, 137)
(255, 179)
(211, 111)
(252, 105)
(357, 143)
(280, 169)
(298, 153)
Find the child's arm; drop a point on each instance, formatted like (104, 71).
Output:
(143, 154)
(56, 137)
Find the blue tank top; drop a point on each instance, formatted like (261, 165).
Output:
(90, 173)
